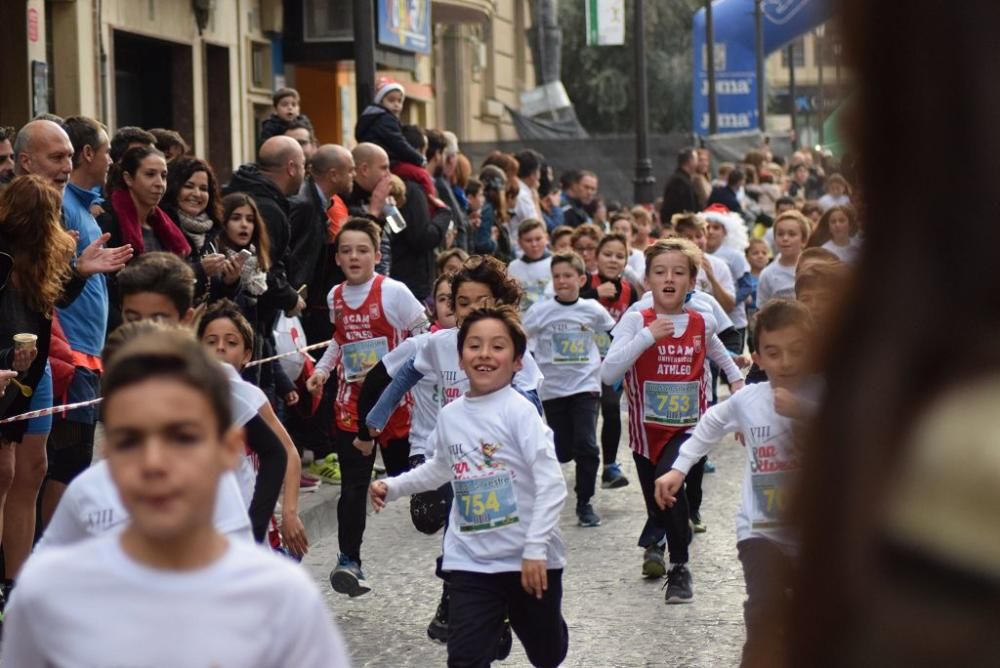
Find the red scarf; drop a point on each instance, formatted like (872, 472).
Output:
(169, 235)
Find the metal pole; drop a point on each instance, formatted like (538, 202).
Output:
(364, 53)
(713, 106)
(758, 20)
(644, 181)
(791, 84)
(820, 102)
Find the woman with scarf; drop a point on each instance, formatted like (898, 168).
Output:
(135, 218)
(193, 202)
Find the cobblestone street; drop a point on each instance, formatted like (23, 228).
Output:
(615, 617)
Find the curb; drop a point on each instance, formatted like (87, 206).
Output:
(318, 511)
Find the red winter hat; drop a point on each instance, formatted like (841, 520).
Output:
(384, 86)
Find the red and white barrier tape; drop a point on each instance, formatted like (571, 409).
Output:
(314, 346)
(30, 415)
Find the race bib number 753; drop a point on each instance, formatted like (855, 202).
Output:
(671, 404)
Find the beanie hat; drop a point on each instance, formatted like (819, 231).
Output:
(384, 86)
(736, 229)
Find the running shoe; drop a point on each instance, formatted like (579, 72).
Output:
(709, 466)
(438, 628)
(348, 578)
(587, 516)
(326, 469)
(678, 585)
(308, 482)
(697, 525)
(653, 565)
(506, 641)
(612, 477)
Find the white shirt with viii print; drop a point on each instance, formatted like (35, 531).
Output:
(770, 464)
(509, 489)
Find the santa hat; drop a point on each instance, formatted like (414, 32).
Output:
(736, 229)
(384, 86)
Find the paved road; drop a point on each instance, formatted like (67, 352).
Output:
(615, 617)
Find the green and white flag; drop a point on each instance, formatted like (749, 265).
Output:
(605, 22)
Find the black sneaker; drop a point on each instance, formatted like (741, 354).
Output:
(612, 477)
(678, 585)
(505, 643)
(697, 525)
(653, 566)
(587, 516)
(438, 628)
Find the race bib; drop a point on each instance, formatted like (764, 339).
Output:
(360, 356)
(570, 347)
(769, 490)
(603, 341)
(671, 404)
(485, 504)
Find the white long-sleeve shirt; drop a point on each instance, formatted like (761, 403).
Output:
(426, 393)
(770, 461)
(776, 282)
(561, 337)
(702, 302)
(509, 489)
(632, 338)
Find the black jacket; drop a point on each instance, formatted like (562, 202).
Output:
(312, 255)
(678, 196)
(413, 248)
(17, 317)
(275, 126)
(274, 209)
(379, 126)
(574, 214)
(725, 196)
(463, 237)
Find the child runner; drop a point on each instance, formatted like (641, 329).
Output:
(561, 335)
(91, 504)
(450, 261)
(644, 229)
(160, 286)
(371, 315)
(504, 551)
(758, 257)
(531, 270)
(127, 598)
(777, 280)
(765, 547)
(837, 232)
(561, 239)
(612, 291)
(726, 239)
(481, 282)
(661, 353)
(624, 223)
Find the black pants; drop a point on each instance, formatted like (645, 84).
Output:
(673, 521)
(314, 432)
(611, 430)
(692, 485)
(355, 475)
(768, 573)
(573, 420)
(480, 601)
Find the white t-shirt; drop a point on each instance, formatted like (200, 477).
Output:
(770, 461)
(509, 488)
(524, 208)
(848, 253)
(91, 604)
(438, 362)
(722, 275)
(738, 267)
(425, 393)
(91, 506)
(776, 282)
(247, 399)
(827, 201)
(534, 278)
(637, 262)
(561, 336)
(401, 308)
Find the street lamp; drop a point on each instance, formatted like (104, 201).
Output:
(820, 101)
(644, 180)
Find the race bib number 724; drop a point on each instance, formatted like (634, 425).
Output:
(360, 356)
